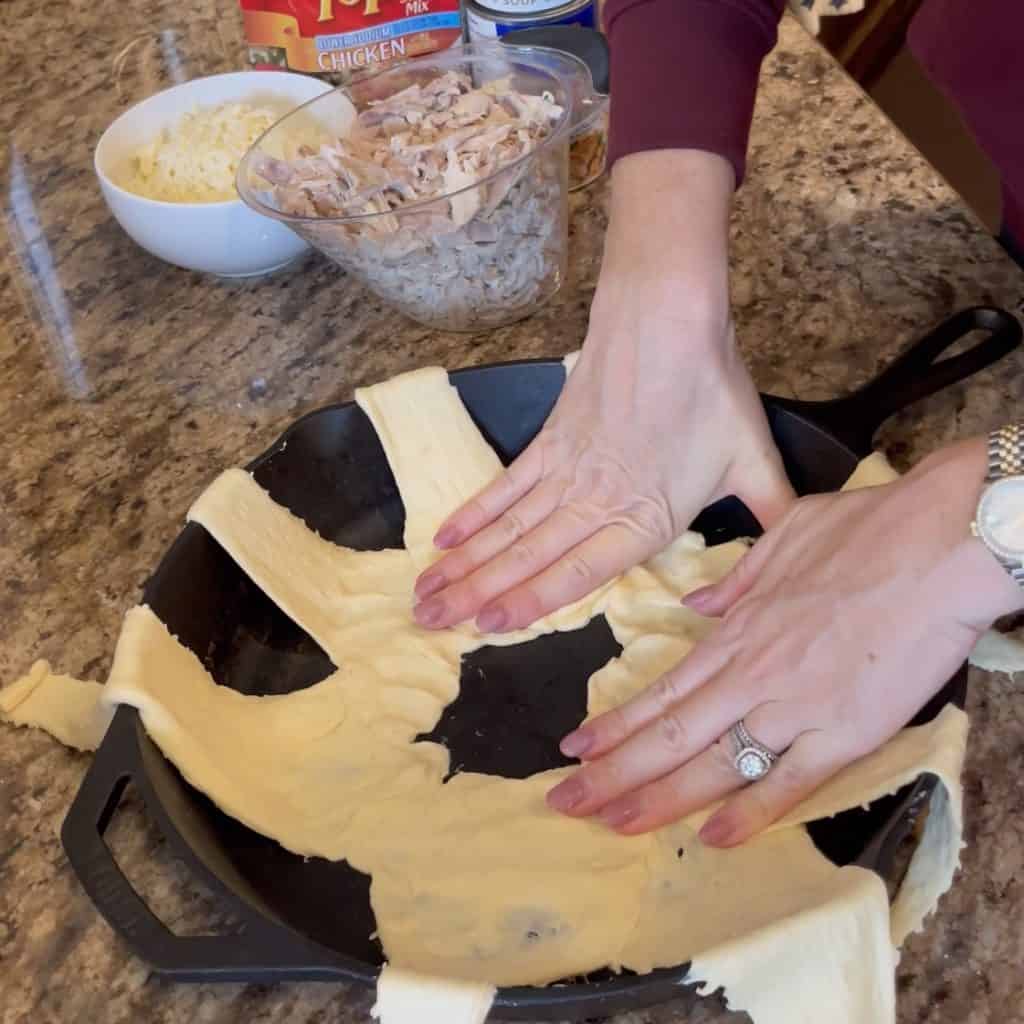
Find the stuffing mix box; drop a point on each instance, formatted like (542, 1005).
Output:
(341, 38)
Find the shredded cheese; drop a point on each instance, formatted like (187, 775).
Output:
(195, 160)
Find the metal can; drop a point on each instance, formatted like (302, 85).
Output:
(492, 19)
(520, 6)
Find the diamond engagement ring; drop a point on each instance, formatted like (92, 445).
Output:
(751, 759)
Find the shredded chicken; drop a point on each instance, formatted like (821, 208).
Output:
(475, 246)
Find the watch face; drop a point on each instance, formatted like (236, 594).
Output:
(1000, 518)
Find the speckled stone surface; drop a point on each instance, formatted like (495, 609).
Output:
(126, 385)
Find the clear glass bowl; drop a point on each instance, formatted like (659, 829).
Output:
(588, 122)
(588, 149)
(505, 261)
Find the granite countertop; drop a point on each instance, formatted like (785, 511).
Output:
(126, 385)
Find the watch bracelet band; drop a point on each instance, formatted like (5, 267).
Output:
(1006, 452)
(1006, 458)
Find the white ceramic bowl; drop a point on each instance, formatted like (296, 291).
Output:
(223, 238)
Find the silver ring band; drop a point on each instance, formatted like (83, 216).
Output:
(751, 759)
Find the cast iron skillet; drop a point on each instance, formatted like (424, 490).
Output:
(312, 919)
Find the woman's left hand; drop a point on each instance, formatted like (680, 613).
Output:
(840, 623)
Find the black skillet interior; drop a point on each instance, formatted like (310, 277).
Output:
(312, 919)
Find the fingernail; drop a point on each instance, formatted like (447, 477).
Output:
(566, 795)
(429, 583)
(446, 537)
(492, 620)
(697, 599)
(429, 613)
(618, 815)
(716, 831)
(576, 744)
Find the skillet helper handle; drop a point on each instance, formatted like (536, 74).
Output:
(916, 374)
(260, 953)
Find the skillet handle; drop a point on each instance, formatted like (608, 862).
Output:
(261, 953)
(914, 375)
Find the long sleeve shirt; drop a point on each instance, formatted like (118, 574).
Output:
(685, 76)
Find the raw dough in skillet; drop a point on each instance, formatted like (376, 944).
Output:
(476, 879)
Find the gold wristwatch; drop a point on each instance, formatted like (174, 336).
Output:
(999, 521)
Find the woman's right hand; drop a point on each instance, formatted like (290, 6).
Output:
(658, 419)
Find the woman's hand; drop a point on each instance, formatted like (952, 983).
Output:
(840, 623)
(658, 419)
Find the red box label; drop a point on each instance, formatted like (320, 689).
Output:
(341, 37)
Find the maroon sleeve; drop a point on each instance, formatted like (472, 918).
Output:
(684, 73)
